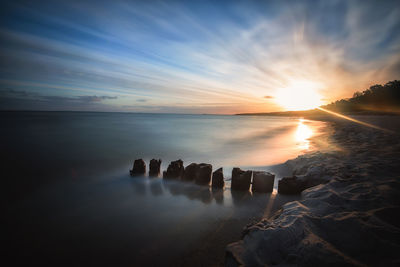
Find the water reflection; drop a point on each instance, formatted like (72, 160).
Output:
(189, 190)
(241, 198)
(156, 188)
(302, 135)
(167, 190)
(139, 185)
(218, 195)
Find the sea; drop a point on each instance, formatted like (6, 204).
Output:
(69, 199)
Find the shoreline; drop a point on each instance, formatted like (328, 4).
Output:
(340, 220)
(209, 249)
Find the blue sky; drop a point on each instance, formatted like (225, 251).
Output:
(191, 57)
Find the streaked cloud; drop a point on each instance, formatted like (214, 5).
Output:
(197, 58)
(11, 99)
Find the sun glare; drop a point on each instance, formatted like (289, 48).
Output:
(302, 135)
(299, 96)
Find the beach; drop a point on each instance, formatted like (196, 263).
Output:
(350, 219)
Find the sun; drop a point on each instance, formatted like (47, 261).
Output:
(301, 95)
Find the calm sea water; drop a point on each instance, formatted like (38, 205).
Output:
(70, 199)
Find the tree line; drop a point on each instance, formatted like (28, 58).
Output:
(377, 98)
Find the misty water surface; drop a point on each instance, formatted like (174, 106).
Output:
(74, 202)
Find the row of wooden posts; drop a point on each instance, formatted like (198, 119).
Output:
(262, 181)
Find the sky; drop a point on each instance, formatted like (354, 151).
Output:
(218, 57)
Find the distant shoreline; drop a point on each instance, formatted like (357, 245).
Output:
(315, 113)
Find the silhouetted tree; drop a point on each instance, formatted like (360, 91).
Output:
(375, 98)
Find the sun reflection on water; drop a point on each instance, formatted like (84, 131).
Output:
(302, 135)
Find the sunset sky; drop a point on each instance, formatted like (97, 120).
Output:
(193, 57)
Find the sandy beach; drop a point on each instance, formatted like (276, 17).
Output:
(349, 219)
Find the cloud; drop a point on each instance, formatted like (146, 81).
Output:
(229, 56)
(17, 99)
(8, 92)
(94, 98)
(79, 99)
(268, 97)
